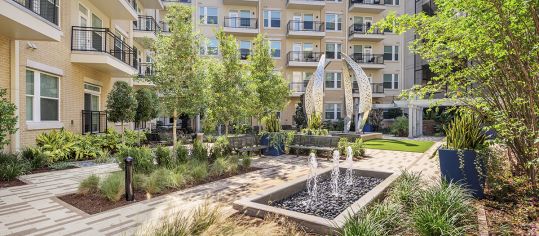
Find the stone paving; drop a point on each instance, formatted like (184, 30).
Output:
(33, 209)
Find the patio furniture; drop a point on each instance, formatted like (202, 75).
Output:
(247, 143)
(315, 142)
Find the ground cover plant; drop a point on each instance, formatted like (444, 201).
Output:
(357, 146)
(176, 169)
(398, 145)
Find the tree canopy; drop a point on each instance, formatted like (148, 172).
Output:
(121, 103)
(8, 120)
(147, 105)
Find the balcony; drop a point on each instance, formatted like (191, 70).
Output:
(305, 29)
(119, 9)
(152, 4)
(241, 25)
(303, 59)
(306, 4)
(297, 88)
(241, 2)
(30, 20)
(244, 53)
(170, 2)
(365, 32)
(94, 122)
(102, 50)
(377, 89)
(367, 6)
(145, 28)
(369, 61)
(145, 69)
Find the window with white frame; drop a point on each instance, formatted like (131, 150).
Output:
(209, 15)
(391, 53)
(333, 22)
(42, 96)
(333, 0)
(210, 47)
(391, 2)
(333, 50)
(332, 111)
(275, 48)
(272, 19)
(333, 80)
(391, 81)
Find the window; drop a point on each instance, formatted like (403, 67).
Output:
(332, 111)
(210, 47)
(391, 53)
(391, 2)
(391, 81)
(245, 49)
(333, 22)
(275, 49)
(333, 80)
(208, 16)
(272, 19)
(333, 50)
(42, 96)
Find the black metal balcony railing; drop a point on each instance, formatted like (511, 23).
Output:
(146, 23)
(244, 53)
(363, 58)
(298, 87)
(101, 40)
(376, 88)
(180, 1)
(94, 122)
(241, 22)
(364, 29)
(314, 26)
(304, 56)
(146, 69)
(48, 9)
(368, 2)
(288, 1)
(133, 4)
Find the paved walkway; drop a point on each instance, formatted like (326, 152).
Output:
(33, 209)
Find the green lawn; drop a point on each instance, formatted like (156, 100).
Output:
(398, 145)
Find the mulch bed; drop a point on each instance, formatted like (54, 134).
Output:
(11, 183)
(94, 203)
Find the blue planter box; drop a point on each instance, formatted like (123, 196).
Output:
(468, 176)
(368, 128)
(271, 151)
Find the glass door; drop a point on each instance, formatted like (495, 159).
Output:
(308, 23)
(232, 21)
(245, 20)
(97, 35)
(91, 115)
(296, 49)
(296, 26)
(367, 52)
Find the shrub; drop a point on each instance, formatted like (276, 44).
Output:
(157, 181)
(139, 181)
(221, 148)
(357, 148)
(245, 162)
(113, 187)
(199, 152)
(164, 157)
(343, 145)
(223, 165)
(34, 156)
(105, 157)
(57, 145)
(111, 140)
(87, 147)
(380, 219)
(198, 170)
(142, 158)
(133, 137)
(89, 185)
(400, 127)
(182, 154)
(465, 132)
(8, 118)
(404, 190)
(11, 167)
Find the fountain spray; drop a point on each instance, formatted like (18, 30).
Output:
(349, 163)
(335, 173)
(312, 182)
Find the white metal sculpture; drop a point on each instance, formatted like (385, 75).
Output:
(365, 92)
(348, 98)
(314, 93)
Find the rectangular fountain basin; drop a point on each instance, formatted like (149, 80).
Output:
(259, 205)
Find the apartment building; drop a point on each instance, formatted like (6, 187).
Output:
(60, 59)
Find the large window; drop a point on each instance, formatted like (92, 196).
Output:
(275, 47)
(333, 22)
(391, 53)
(209, 16)
(332, 111)
(333, 50)
(42, 96)
(210, 47)
(333, 80)
(272, 19)
(391, 2)
(391, 81)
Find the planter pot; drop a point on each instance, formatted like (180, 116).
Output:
(368, 128)
(271, 150)
(468, 176)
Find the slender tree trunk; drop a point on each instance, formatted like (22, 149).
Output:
(174, 135)
(123, 132)
(226, 128)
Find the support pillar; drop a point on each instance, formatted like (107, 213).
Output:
(15, 139)
(411, 120)
(197, 124)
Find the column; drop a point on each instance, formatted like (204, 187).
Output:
(411, 120)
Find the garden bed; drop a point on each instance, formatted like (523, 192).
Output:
(11, 183)
(94, 203)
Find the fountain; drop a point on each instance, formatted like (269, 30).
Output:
(312, 181)
(349, 164)
(335, 173)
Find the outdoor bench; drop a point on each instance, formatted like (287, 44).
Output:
(315, 142)
(247, 143)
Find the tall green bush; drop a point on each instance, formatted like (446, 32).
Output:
(400, 126)
(113, 187)
(121, 103)
(142, 158)
(8, 119)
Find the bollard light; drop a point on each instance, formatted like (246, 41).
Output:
(129, 196)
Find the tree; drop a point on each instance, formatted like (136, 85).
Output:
(147, 105)
(271, 88)
(300, 118)
(181, 88)
(8, 120)
(233, 92)
(486, 52)
(121, 103)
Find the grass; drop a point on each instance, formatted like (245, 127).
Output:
(398, 145)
